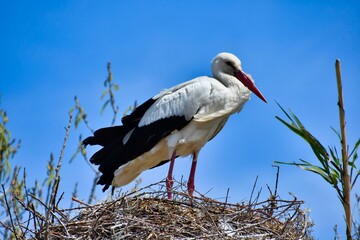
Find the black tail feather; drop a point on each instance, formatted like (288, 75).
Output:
(110, 157)
(104, 136)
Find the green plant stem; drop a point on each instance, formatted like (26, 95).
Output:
(345, 173)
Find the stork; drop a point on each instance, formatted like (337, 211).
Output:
(178, 121)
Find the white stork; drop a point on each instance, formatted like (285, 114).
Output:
(177, 122)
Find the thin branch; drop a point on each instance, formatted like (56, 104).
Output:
(253, 189)
(57, 178)
(30, 208)
(93, 188)
(79, 201)
(9, 211)
(112, 97)
(17, 218)
(277, 179)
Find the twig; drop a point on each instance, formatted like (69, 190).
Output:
(226, 198)
(57, 179)
(49, 173)
(277, 179)
(9, 211)
(63, 225)
(5, 226)
(253, 189)
(79, 201)
(93, 187)
(55, 190)
(16, 214)
(27, 199)
(58, 201)
(73, 195)
(32, 207)
(336, 232)
(83, 153)
(112, 97)
(39, 200)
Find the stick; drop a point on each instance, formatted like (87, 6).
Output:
(81, 202)
(57, 179)
(253, 189)
(277, 178)
(345, 173)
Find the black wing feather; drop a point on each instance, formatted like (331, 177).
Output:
(135, 117)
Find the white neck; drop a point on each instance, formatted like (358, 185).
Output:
(232, 82)
(238, 94)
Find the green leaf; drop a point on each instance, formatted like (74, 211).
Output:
(83, 150)
(283, 110)
(309, 167)
(317, 170)
(354, 158)
(354, 151)
(74, 155)
(297, 127)
(116, 87)
(297, 121)
(352, 164)
(337, 133)
(335, 156)
(104, 93)
(104, 106)
(356, 177)
(286, 163)
(78, 119)
(71, 110)
(292, 127)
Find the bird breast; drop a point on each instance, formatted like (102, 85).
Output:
(192, 137)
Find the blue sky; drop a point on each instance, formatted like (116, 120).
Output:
(54, 50)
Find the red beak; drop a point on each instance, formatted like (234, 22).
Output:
(249, 84)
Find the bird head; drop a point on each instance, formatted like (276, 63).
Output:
(229, 64)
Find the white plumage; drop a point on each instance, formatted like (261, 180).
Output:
(177, 122)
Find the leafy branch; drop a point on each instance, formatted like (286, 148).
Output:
(111, 88)
(8, 147)
(333, 168)
(81, 116)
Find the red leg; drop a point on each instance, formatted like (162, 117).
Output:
(169, 179)
(191, 185)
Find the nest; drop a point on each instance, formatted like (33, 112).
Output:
(148, 214)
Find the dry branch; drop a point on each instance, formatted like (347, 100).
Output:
(56, 180)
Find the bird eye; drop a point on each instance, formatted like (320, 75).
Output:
(229, 63)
